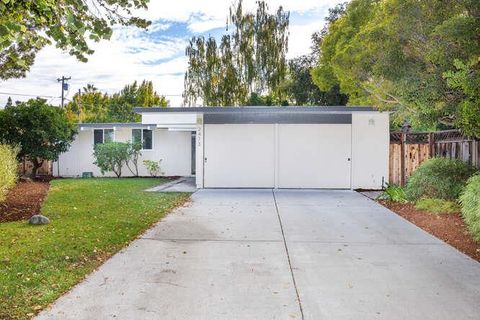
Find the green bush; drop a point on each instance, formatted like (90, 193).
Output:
(153, 167)
(393, 193)
(470, 201)
(439, 178)
(8, 169)
(437, 206)
(111, 156)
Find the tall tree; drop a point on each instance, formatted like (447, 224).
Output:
(91, 105)
(248, 60)
(407, 56)
(40, 130)
(121, 104)
(26, 26)
(301, 88)
(9, 103)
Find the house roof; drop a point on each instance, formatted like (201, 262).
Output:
(111, 125)
(289, 109)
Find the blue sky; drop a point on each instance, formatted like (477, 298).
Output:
(158, 53)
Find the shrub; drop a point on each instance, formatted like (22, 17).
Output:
(153, 167)
(437, 206)
(470, 201)
(8, 169)
(393, 193)
(439, 178)
(111, 156)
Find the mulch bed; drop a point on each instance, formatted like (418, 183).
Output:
(23, 201)
(448, 227)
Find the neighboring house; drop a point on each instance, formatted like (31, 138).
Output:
(254, 147)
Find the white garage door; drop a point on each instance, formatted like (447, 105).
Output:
(239, 155)
(314, 155)
(283, 155)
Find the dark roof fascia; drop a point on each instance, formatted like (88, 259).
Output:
(290, 109)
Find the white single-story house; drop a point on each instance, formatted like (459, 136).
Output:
(250, 147)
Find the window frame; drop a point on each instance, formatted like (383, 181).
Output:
(103, 135)
(142, 139)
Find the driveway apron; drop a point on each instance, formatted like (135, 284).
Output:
(283, 254)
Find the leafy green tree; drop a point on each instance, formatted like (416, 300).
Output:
(121, 104)
(401, 55)
(91, 105)
(265, 100)
(111, 156)
(465, 80)
(42, 131)
(26, 26)
(300, 86)
(9, 102)
(249, 59)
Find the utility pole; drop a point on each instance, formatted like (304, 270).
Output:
(79, 106)
(64, 80)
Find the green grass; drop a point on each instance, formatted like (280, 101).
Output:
(91, 219)
(437, 206)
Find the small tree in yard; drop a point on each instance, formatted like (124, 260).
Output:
(41, 131)
(111, 156)
(134, 152)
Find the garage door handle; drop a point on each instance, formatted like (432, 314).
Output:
(348, 159)
(205, 159)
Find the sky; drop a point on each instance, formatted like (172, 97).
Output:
(157, 54)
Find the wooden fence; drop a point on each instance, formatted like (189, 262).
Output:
(408, 151)
(25, 168)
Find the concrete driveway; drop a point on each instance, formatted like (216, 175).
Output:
(258, 254)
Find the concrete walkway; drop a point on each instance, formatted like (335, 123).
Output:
(182, 184)
(258, 254)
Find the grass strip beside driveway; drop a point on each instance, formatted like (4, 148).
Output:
(91, 219)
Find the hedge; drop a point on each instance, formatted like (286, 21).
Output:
(8, 169)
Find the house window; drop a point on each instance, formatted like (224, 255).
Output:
(143, 136)
(102, 136)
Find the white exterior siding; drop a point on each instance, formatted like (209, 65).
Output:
(370, 149)
(173, 147)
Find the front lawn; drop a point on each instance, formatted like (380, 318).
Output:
(91, 219)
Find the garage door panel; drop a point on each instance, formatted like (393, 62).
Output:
(314, 155)
(240, 155)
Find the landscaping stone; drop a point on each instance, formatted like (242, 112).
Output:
(38, 219)
(25, 179)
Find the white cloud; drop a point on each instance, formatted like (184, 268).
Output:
(130, 55)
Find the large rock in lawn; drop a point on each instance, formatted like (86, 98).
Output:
(38, 219)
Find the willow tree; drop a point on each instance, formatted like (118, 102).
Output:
(249, 59)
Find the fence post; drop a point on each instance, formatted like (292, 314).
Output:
(403, 139)
(431, 145)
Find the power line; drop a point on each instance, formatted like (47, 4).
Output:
(27, 95)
